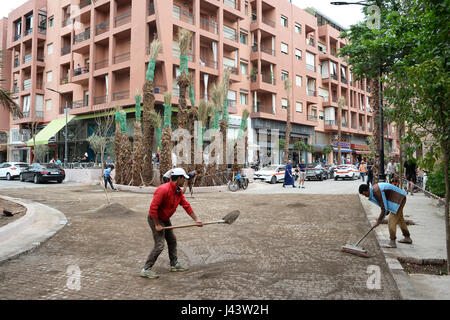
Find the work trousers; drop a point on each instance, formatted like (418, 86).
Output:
(158, 237)
(397, 219)
(108, 179)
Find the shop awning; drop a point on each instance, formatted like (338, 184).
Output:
(49, 131)
(343, 150)
(362, 152)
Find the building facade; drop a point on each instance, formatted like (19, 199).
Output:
(95, 54)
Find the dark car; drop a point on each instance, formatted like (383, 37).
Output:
(38, 173)
(316, 171)
(331, 168)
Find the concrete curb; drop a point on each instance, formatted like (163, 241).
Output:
(20, 224)
(30, 234)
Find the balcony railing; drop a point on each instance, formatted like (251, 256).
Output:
(40, 58)
(311, 67)
(354, 126)
(361, 128)
(312, 93)
(330, 123)
(183, 15)
(101, 64)
(27, 58)
(268, 50)
(344, 124)
(267, 78)
(121, 95)
(39, 114)
(39, 85)
(230, 33)
(84, 3)
(343, 80)
(231, 103)
(28, 31)
(234, 70)
(79, 71)
(122, 57)
(268, 22)
(42, 30)
(207, 25)
(80, 104)
(86, 35)
(66, 22)
(65, 50)
(26, 114)
(64, 80)
(334, 99)
(208, 63)
(151, 9)
(27, 84)
(232, 3)
(310, 42)
(312, 117)
(334, 76)
(102, 28)
(16, 62)
(100, 99)
(122, 19)
(17, 37)
(176, 53)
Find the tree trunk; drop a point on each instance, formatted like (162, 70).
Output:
(223, 130)
(165, 161)
(401, 132)
(193, 117)
(446, 149)
(127, 161)
(149, 131)
(375, 103)
(183, 83)
(138, 154)
(117, 152)
(288, 132)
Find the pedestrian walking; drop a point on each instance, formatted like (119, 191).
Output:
(288, 177)
(107, 177)
(363, 169)
(165, 201)
(391, 200)
(302, 174)
(370, 172)
(392, 170)
(411, 174)
(191, 181)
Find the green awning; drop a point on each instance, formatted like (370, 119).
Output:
(49, 131)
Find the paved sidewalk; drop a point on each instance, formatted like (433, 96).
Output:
(428, 236)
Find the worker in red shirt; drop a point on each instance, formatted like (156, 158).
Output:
(165, 201)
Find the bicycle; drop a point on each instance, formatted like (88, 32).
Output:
(234, 185)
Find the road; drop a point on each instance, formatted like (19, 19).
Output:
(283, 246)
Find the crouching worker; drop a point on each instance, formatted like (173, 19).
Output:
(391, 200)
(165, 201)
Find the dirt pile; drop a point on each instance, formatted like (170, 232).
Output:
(112, 210)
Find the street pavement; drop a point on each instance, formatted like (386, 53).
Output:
(16, 184)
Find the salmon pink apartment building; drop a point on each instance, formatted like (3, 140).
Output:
(94, 55)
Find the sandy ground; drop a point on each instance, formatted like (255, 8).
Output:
(18, 211)
(283, 246)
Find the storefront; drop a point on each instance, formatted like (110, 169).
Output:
(3, 146)
(346, 152)
(360, 152)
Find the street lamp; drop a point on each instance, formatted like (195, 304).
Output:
(66, 111)
(381, 175)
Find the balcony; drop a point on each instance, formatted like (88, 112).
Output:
(312, 117)
(121, 95)
(17, 37)
(207, 25)
(66, 22)
(311, 67)
(268, 22)
(28, 32)
(312, 93)
(102, 28)
(85, 3)
(39, 85)
(80, 103)
(334, 99)
(65, 50)
(334, 76)
(64, 80)
(331, 123)
(16, 89)
(310, 42)
(27, 58)
(40, 58)
(42, 30)
(16, 62)
(79, 71)
(183, 15)
(151, 9)
(232, 3)
(343, 80)
(230, 33)
(362, 129)
(101, 100)
(101, 64)
(86, 35)
(27, 84)
(39, 114)
(345, 124)
(122, 57)
(122, 19)
(353, 126)
(267, 50)
(267, 78)
(208, 63)
(26, 114)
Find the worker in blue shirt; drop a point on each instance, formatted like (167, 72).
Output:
(107, 177)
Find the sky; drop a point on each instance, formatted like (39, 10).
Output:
(343, 15)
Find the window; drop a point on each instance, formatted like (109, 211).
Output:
(298, 81)
(246, 10)
(50, 49)
(284, 75)
(321, 115)
(244, 38)
(298, 54)
(48, 105)
(284, 21)
(298, 28)
(284, 48)
(299, 106)
(244, 68)
(310, 61)
(51, 20)
(49, 76)
(284, 103)
(243, 97)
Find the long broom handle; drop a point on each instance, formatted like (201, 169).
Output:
(192, 225)
(356, 244)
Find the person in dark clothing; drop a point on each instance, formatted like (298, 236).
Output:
(302, 174)
(370, 172)
(288, 177)
(191, 181)
(411, 174)
(107, 177)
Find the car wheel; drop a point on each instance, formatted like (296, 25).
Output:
(273, 180)
(353, 177)
(245, 184)
(8, 177)
(21, 178)
(335, 178)
(36, 179)
(321, 177)
(60, 181)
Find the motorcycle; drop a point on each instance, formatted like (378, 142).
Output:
(234, 185)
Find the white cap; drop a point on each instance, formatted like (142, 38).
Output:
(179, 172)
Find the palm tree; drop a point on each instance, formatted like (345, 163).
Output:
(183, 80)
(165, 160)
(6, 98)
(138, 146)
(341, 104)
(241, 135)
(287, 88)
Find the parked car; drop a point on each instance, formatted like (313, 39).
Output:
(331, 169)
(316, 171)
(347, 171)
(38, 173)
(11, 170)
(272, 174)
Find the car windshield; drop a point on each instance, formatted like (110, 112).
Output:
(270, 168)
(344, 167)
(21, 165)
(50, 166)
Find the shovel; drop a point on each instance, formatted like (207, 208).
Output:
(228, 219)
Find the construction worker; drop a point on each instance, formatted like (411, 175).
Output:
(107, 177)
(165, 201)
(391, 200)
(363, 169)
(190, 182)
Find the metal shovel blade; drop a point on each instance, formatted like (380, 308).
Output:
(231, 217)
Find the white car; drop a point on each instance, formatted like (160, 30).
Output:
(347, 171)
(272, 174)
(11, 170)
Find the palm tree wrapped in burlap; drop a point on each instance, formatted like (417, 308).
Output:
(183, 80)
(225, 85)
(202, 117)
(126, 152)
(138, 146)
(148, 106)
(287, 88)
(241, 135)
(118, 146)
(165, 160)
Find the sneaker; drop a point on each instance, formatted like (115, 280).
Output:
(178, 268)
(303, 187)
(406, 240)
(149, 274)
(391, 244)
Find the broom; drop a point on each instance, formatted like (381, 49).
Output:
(354, 249)
(228, 219)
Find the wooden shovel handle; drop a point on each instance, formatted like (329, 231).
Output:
(191, 225)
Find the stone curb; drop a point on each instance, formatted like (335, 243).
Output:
(46, 223)
(20, 224)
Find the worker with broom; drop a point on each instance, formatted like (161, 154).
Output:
(391, 200)
(165, 201)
